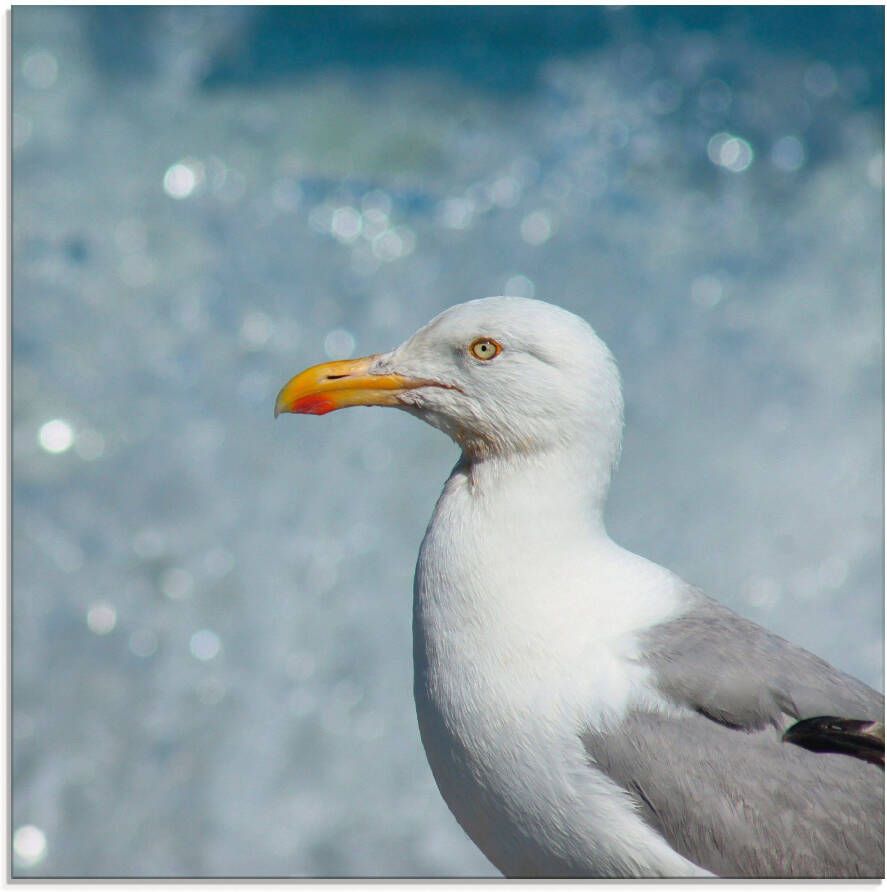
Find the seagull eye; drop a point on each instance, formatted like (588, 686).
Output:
(485, 348)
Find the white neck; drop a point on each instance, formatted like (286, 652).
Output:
(559, 483)
(517, 545)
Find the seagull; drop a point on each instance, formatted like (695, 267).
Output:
(585, 712)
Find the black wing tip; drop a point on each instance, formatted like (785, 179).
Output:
(859, 738)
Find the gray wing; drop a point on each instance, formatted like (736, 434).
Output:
(737, 673)
(716, 779)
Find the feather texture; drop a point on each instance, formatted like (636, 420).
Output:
(718, 781)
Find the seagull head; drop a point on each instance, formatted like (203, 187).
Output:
(500, 375)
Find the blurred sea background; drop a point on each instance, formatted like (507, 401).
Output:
(211, 614)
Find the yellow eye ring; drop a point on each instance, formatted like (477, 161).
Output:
(484, 349)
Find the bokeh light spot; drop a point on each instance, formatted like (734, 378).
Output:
(394, 243)
(519, 286)
(706, 291)
(29, 845)
(89, 445)
(143, 643)
(177, 584)
(535, 228)
(183, 178)
(205, 645)
(820, 80)
(56, 436)
(505, 192)
(788, 154)
(346, 224)
(339, 344)
(101, 618)
(456, 213)
(40, 69)
(730, 152)
(149, 543)
(256, 330)
(218, 562)
(376, 202)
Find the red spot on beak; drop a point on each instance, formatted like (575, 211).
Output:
(313, 404)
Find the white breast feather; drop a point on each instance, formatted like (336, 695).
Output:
(525, 637)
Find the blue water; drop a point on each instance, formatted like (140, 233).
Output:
(211, 625)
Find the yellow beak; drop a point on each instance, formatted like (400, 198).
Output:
(336, 385)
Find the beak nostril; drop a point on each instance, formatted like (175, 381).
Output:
(335, 377)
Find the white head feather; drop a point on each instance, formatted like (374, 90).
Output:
(554, 385)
